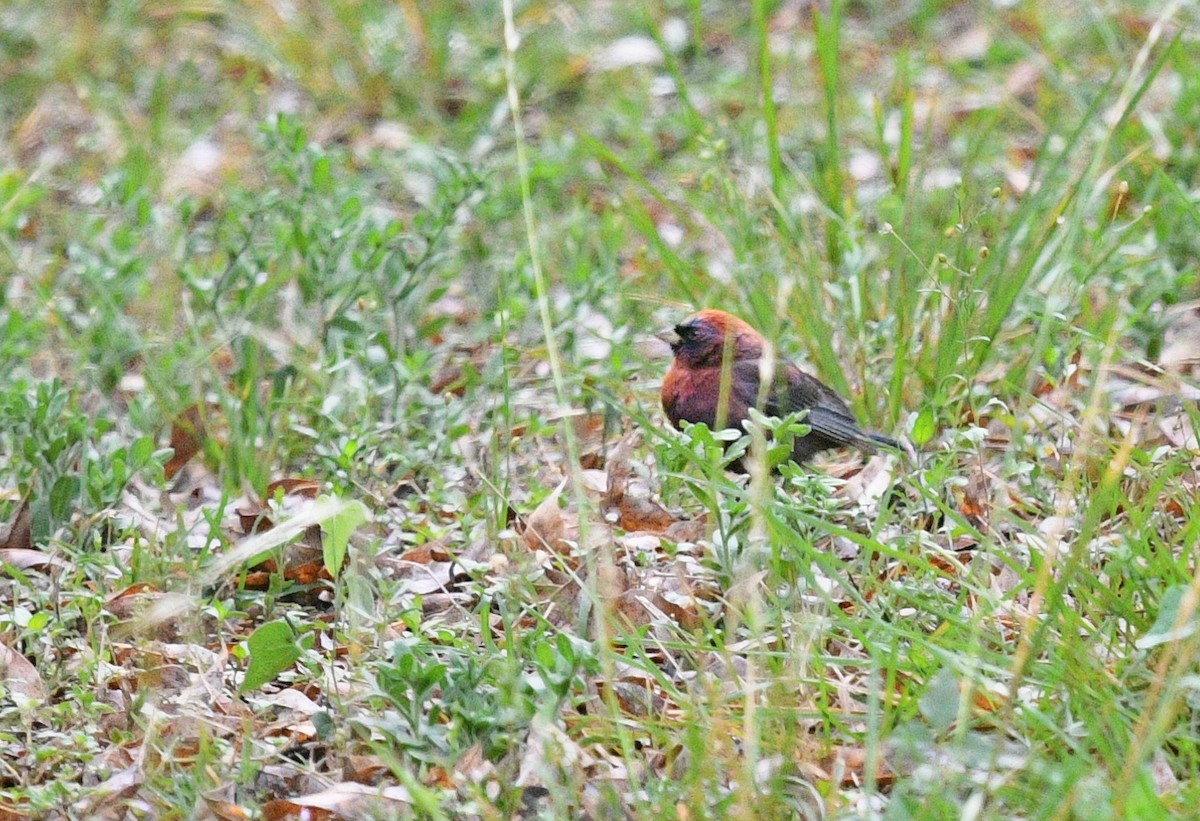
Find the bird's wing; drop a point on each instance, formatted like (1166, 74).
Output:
(828, 415)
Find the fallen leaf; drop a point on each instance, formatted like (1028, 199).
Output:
(348, 799)
(473, 767)
(684, 609)
(308, 488)
(635, 607)
(109, 793)
(20, 530)
(253, 517)
(365, 769)
(289, 699)
(187, 436)
(20, 676)
(224, 810)
(641, 513)
(548, 750)
(689, 530)
(848, 765)
(146, 611)
(26, 559)
(546, 527)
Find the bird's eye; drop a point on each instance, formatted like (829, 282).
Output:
(684, 330)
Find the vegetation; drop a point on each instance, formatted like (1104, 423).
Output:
(333, 466)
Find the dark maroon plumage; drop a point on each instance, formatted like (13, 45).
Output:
(702, 344)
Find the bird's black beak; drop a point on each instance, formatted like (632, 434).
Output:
(670, 336)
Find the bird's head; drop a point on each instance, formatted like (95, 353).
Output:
(701, 339)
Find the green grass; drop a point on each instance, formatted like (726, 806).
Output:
(384, 247)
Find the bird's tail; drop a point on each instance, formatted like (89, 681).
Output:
(880, 439)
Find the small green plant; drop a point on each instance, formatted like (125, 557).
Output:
(67, 465)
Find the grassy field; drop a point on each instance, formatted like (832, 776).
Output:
(331, 455)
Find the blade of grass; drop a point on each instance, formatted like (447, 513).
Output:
(767, 89)
(827, 28)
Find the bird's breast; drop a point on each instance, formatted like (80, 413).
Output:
(695, 395)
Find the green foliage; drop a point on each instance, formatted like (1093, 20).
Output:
(66, 463)
(336, 532)
(967, 219)
(274, 647)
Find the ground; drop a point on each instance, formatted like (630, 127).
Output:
(335, 479)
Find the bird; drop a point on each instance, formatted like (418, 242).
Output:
(710, 341)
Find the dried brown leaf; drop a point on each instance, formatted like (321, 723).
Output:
(473, 767)
(20, 676)
(25, 559)
(640, 513)
(589, 432)
(684, 610)
(308, 488)
(546, 527)
(848, 765)
(253, 517)
(975, 500)
(103, 800)
(547, 751)
(421, 579)
(20, 530)
(634, 607)
(688, 530)
(146, 611)
(187, 437)
(364, 769)
(225, 810)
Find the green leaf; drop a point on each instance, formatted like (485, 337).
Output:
(939, 704)
(336, 532)
(1166, 627)
(923, 427)
(38, 621)
(1143, 800)
(545, 655)
(273, 649)
(322, 175)
(323, 723)
(141, 452)
(62, 497)
(40, 523)
(360, 597)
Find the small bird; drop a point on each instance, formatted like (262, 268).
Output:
(711, 340)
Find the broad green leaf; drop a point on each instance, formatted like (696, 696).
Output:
(141, 451)
(939, 704)
(1166, 627)
(336, 532)
(923, 427)
(273, 649)
(62, 497)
